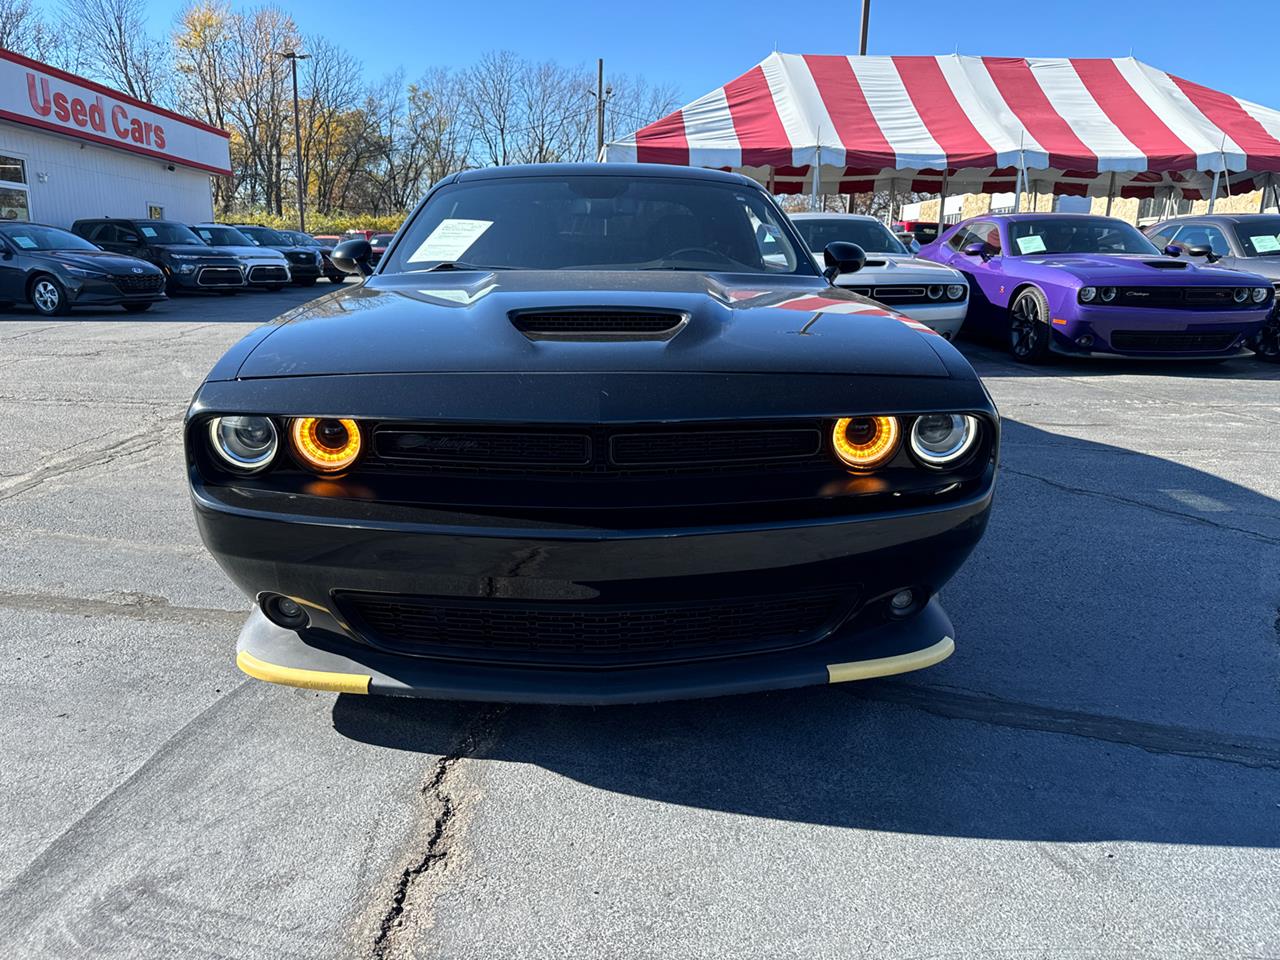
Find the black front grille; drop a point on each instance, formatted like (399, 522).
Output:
(268, 273)
(1180, 298)
(895, 293)
(592, 634)
(1172, 342)
(297, 256)
(220, 277)
(139, 283)
(598, 324)
(599, 451)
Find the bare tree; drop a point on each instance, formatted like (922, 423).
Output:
(109, 39)
(492, 103)
(23, 30)
(552, 100)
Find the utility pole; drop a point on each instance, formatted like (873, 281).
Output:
(603, 93)
(866, 22)
(293, 56)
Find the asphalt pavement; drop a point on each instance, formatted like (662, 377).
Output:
(1094, 774)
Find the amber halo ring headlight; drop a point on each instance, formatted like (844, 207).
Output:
(941, 439)
(244, 444)
(864, 443)
(325, 444)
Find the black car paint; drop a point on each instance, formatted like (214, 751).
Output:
(440, 347)
(19, 267)
(305, 240)
(161, 254)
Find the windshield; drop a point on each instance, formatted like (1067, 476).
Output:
(32, 237)
(1076, 235)
(300, 239)
(600, 223)
(871, 235)
(264, 236)
(381, 239)
(1259, 236)
(223, 237)
(169, 233)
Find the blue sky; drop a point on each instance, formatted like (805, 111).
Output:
(699, 44)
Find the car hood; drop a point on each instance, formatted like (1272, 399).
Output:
(253, 253)
(202, 250)
(1129, 268)
(1268, 267)
(100, 260)
(899, 268)
(458, 321)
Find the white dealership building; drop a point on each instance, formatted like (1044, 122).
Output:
(72, 148)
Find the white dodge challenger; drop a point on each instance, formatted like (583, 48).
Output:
(932, 293)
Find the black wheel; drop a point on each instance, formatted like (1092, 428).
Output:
(341, 279)
(1029, 330)
(136, 307)
(48, 297)
(1266, 346)
(306, 282)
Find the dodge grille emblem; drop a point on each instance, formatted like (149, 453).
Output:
(136, 269)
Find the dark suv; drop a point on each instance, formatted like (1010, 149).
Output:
(187, 261)
(306, 264)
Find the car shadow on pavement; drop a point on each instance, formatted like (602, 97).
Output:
(991, 359)
(1116, 678)
(244, 306)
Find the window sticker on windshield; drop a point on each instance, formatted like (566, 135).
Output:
(1265, 244)
(26, 243)
(450, 240)
(1032, 244)
(148, 231)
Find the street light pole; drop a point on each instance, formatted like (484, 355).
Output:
(603, 93)
(866, 22)
(293, 56)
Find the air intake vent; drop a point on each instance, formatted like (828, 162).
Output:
(588, 324)
(1166, 264)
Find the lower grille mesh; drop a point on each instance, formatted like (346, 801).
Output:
(591, 634)
(1172, 342)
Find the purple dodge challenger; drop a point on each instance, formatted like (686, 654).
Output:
(1084, 285)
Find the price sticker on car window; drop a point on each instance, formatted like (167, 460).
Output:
(1265, 244)
(148, 231)
(26, 243)
(450, 240)
(1031, 244)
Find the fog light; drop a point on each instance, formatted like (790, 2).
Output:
(284, 612)
(902, 603)
(1085, 341)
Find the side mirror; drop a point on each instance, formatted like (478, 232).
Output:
(975, 249)
(1173, 250)
(840, 256)
(1203, 250)
(352, 256)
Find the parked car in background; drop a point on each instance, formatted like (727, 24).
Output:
(305, 263)
(1078, 284)
(188, 263)
(55, 270)
(1243, 241)
(331, 273)
(379, 243)
(935, 295)
(743, 478)
(264, 266)
(925, 231)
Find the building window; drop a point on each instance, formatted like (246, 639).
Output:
(155, 211)
(14, 200)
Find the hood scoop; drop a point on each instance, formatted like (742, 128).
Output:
(1165, 264)
(599, 324)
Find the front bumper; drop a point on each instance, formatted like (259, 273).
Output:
(214, 276)
(313, 559)
(944, 318)
(1167, 334)
(105, 293)
(305, 271)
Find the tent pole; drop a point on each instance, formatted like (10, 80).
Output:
(1213, 194)
(942, 199)
(1017, 192)
(1262, 199)
(1111, 189)
(817, 178)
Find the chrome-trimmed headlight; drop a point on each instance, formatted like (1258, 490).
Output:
(245, 444)
(1087, 294)
(942, 439)
(1260, 294)
(1107, 294)
(935, 292)
(1241, 294)
(864, 443)
(956, 291)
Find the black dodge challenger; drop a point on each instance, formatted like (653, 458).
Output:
(591, 434)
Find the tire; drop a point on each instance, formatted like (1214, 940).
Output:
(136, 307)
(47, 296)
(341, 279)
(1029, 330)
(306, 282)
(1266, 347)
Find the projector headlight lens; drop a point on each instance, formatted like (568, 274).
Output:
(941, 439)
(1087, 294)
(864, 443)
(1260, 294)
(1241, 294)
(1107, 294)
(935, 292)
(245, 444)
(325, 444)
(956, 291)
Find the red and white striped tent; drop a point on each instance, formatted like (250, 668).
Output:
(835, 124)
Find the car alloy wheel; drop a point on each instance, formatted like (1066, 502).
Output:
(47, 297)
(1029, 327)
(1267, 345)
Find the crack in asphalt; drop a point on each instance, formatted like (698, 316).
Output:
(130, 446)
(410, 896)
(1142, 504)
(132, 606)
(1167, 739)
